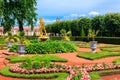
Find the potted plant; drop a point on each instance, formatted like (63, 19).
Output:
(10, 39)
(64, 35)
(21, 45)
(93, 43)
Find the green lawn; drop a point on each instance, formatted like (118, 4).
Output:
(97, 55)
(116, 61)
(111, 49)
(14, 59)
(56, 76)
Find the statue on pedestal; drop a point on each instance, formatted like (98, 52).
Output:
(43, 35)
(42, 27)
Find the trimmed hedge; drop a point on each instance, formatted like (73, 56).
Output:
(108, 40)
(97, 55)
(14, 59)
(48, 47)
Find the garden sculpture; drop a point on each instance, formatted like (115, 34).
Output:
(43, 35)
(42, 28)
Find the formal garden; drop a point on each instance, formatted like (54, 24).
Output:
(86, 48)
(42, 60)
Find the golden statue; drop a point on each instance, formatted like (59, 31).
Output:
(42, 28)
(43, 34)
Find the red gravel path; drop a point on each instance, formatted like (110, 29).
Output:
(72, 60)
(111, 77)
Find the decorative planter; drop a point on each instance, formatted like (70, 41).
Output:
(93, 46)
(44, 38)
(9, 44)
(21, 49)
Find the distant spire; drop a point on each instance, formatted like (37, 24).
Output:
(57, 19)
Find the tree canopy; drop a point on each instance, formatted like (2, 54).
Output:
(108, 25)
(17, 11)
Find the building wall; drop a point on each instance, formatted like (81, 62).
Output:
(27, 30)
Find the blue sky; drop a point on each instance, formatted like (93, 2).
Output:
(72, 9)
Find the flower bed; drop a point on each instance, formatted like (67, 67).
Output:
(94, 67)
(97, 67)
(17, 69)
(75, 72)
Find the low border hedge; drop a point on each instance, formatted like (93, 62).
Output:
(14, 59)
(108, 40)
(58, 76)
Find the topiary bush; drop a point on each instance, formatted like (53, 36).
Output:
(47, 47)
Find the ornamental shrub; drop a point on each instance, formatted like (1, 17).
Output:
(50, 47)
(36, 65)
(47, 47)
(13, 48)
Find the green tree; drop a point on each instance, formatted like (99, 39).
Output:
(48, 28)
(82, 33)
(97, 23)
(75, 28)
(84, 23)
(6, 17)
(112, 23)
(20, 11)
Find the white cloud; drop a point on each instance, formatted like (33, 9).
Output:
(49, 21)
(73, 16)
(93, 13)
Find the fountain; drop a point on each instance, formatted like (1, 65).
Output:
(43, 35)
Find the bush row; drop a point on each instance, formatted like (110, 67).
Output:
(109, 40)
(47, 47)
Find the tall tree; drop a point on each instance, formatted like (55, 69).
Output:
(112, 23)
(20, 11)
(6, 18)
(84, 23)
(97, 23)
(75, 28)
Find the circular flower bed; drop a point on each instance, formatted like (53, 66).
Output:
(17, 69)
(72, 70)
